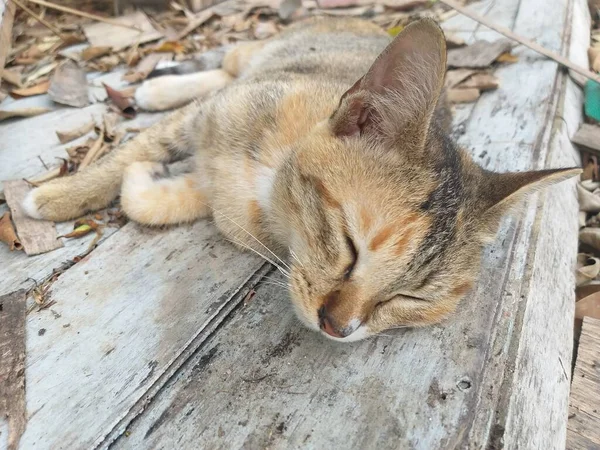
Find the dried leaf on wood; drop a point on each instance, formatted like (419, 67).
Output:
(507, 57)
(11, 77)
(594, 56)
(588, 268)
(588, 306)
(94, 152)
(95, 52)
(38, 89)
(454, 77)
(78, 232)
(122, 102)
(588, 202)
(68, 85)
(144, 68)
(22, 112)
(479, 55)
(169, 47)
(8, 234)
(71, 135)
(103, 34)
(453, 41)
(481, 81)
(468, 95)
(41, 72)
(591, 237)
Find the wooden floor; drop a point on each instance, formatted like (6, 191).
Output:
(155, 342)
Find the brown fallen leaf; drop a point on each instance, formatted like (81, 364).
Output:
(481, 81)
(80, 231)
(38, 89)
(104, 64)
(123, 103)
(453, 41)
(454, 77)
(95, 52)
(23, 112)
(94, 152)
(109, 125)
(591, 237)
(468, 95)
(68, 85)
(588, 268)
(41, 72)
(588, 202)
(144, 68)
(588, 306)
(71, 135)
(11, 77)
(478, 55)
(169, 47)
(507, 57)
(8, 234)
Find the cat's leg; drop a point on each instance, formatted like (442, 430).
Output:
(150, 196)
(97, 185)
(173, 91)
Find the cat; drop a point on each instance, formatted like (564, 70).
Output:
(326, 150)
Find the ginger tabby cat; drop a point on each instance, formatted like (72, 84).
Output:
(382, 216)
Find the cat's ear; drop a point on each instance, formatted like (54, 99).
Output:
(397, 96)
(501, 192)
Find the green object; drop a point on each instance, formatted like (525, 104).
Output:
(592, 100)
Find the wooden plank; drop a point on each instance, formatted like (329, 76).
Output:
(479, 55)
(12, 365)
(457, 385)
(37, 236)
(584, 409)
(7, 15)
(123, 316)
(588, 136)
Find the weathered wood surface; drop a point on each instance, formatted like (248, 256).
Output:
(122, 358)
(495, 375)
(12, 368)
(588, 136)
(122, 317)
(584, 409)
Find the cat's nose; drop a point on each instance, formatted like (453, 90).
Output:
(328, 325)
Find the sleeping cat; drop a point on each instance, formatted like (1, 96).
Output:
(355, 184)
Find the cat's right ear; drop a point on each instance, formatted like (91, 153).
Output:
(395, 100)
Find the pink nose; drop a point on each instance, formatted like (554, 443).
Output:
(327, 324)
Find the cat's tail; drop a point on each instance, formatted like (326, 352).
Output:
(95, 186)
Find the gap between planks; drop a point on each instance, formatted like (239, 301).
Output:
(187, 353)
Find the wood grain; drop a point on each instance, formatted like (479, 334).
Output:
(12, 365)
(584, 409)
(37, 236)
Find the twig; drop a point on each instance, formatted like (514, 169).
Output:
(94, 152)
(44, 22)
(526, 42)
(76, 12)
(43, 163)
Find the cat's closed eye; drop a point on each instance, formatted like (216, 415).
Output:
(354, 255)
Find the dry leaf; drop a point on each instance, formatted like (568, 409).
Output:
(591, 237)
(94, 152)
(22, 112)
(71, 135)
(122, 102)
(11, 77)
(40, 88)
(68, 85)
(41, 72)
(588, 268)
(478, 55)
(395, 31)
(169, 47)
(8, 234)
(3, 95)
(481, 81)
(590, 185)
(95, 52)
(507, 57)
(588, 202)
(582, 217)
(118, 37)
(453, 41)
(588, 306)
(144, 68)
(462, 95)
(454, 77)
(79, 231)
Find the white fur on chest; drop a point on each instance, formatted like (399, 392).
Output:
(264, 187)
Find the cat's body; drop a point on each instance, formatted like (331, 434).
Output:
(384, 216)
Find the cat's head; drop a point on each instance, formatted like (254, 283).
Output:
(385, 216)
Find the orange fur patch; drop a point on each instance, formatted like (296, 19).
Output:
(366, 220)
(461, 289)
(254, 212)
(383, 235)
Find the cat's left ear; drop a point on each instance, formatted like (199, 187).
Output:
(397, 96)
(499, 193)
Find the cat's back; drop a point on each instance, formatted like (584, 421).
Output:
(341, 49)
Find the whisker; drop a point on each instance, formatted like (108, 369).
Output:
(241, 244)
(274, 284)
(295, 257)
(251, 235)
(276, 281)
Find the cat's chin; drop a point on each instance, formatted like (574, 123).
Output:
(361, 333)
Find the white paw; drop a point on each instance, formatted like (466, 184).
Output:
(30, 205)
